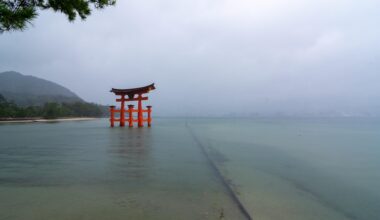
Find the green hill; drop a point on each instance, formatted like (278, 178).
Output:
(31, 97)
(32, 91)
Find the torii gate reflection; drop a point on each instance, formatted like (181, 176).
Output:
(134, 94)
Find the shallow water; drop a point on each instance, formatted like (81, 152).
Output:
(191, 169)
(300, 169)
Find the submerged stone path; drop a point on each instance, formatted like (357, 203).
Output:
(225, 183)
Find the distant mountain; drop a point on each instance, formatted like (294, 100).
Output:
(29, 90)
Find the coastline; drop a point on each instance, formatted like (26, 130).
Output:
(42, 120)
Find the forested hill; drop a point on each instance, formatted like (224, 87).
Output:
(9, 110)
(31, 97)
(32, 91)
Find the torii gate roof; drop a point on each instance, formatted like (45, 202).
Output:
(131, 92)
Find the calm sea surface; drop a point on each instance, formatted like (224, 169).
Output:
(192, 169)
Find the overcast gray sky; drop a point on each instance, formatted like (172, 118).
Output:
(213, 57)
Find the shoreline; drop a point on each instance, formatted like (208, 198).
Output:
(37, 120)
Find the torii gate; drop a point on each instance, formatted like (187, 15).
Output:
(134, 94)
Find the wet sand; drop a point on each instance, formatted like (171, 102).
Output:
(31, 120)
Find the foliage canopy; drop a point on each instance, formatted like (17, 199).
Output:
(16, 14)
(51, 110)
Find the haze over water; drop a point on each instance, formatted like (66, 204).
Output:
(187, 169)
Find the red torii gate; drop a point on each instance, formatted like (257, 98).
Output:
(134, 94)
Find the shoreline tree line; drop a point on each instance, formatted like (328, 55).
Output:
(51, 110)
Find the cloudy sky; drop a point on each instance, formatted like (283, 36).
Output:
(213, 57)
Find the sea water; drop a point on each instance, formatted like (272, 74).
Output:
(192, 169)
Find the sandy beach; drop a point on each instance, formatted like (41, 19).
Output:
(34, 120)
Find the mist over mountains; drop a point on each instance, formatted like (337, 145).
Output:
(26, 90)
(214, 58)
